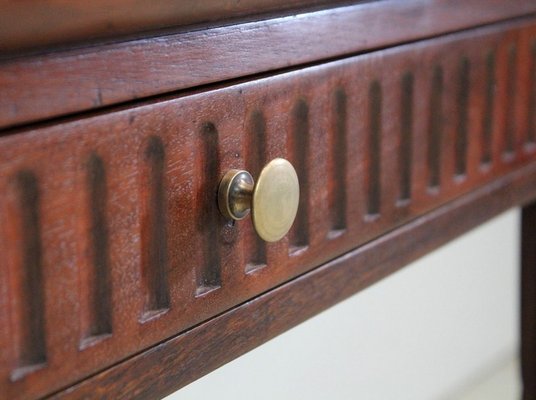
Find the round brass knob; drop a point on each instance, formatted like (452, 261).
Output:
(273, 199)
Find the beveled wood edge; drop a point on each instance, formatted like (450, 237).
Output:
(180, 360)
(33, 24)
(62, 83)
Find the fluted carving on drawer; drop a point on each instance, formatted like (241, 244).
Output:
(255, 160)
(96, 284)
(28, 275)
(488, 115)
(405, 157)
(510, 128)
(435, 129)
(299, 147)
(154, 229)
(460, 145)
(374, 150)
(209, 272)
(338, 165)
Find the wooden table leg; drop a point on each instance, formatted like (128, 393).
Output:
(528, 301)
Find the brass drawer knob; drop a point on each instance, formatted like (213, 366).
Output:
(273, 199)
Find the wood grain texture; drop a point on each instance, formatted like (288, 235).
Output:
(34, 24)
(154, 229)
(30, 314)
(173, 364)
(133, 248)
(61, 83)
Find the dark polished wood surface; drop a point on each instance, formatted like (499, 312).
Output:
(408, 123)
(111, 237)
(186, 357)
(61, 83)
(33, 24)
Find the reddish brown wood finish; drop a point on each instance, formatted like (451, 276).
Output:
(61, 83)
(110, 221)
(185, 358)
(36, 23)
(528, 301)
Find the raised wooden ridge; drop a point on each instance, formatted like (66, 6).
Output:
(33, 24)
(179, 361)
(61, 83)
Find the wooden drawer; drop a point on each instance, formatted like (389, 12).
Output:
(110, 233)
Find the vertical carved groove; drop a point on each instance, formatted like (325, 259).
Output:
(99, 312)
(463, 114)
(374, 149)
(254, 163)
(487, 123)
(32, 351)
(299, 236)
(435, 130)
(338, 162)
(509, 133)
(531, 125)
(406, 138)
(209, 273)
(154, 237)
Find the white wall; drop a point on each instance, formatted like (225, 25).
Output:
(422, 333)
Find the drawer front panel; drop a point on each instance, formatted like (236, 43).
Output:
(110, 232)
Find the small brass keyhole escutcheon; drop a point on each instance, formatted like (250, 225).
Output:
(273, 199)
